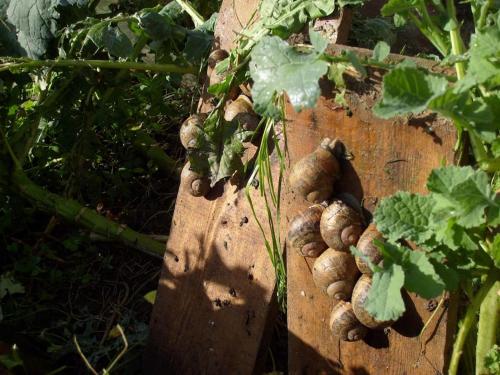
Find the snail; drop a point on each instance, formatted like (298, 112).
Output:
(190, 129)
(340, 226)
(344, 324)
(313, 176)
(367, 248)
(359, 296)
(246, 89)
(215, 56)
(197, 185)
(303, 232)
(335, 273)
(241, 111)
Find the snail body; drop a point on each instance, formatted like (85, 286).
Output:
(344, 324)
(340, 226)
(304, 234)
(191, 129)
(313, 176)
(335, 273)
(358, 301)
(196, 184)
(367, 248)
(241, 111)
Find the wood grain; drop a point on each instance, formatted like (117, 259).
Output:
(387, 156)
(215, 292)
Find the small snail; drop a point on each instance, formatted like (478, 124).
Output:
(246, 89)
(340, 226)
(215, 56)
(313, 176)
(197, 185)
(190, 129)
(366, 247)
(303, 232)
(344, 324)
(359, 296)
(241, 111)
(335, 273)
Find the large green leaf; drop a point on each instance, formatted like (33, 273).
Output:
(408, 90)
(405, 216)
(461, 193)
(276, 67)
(384, 300)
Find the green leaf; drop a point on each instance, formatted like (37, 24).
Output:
(353, 58)
(408, 90)
(420, 275)
(405, 215)
(393, 7)
(35, 22)
(150, 297)
(381, 51)
(318, 41)
(461, 193)
(384, 300)
(285, 17)
(495, 250)
(116, 42)
(9, 286)
(276, 67)
(219, 150)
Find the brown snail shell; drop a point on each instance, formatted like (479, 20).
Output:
(246, 89)
(313, 176)
(367, 248)
(303, 232)
(344, 324)
(190, 130)
(340, 226)
(335, 273)
(196, 184)
(241, 111)
(359, 296)
(215, 56)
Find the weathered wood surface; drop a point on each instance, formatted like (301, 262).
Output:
(215, 291)
(387, 156)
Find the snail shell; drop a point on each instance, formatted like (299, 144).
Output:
(344, 324)
(359, 296)
(340, 226)
(366, 246)
(313, 176)
(215, 56)
(190, 130)
(303, 232)
(335, 273)
(241, 111)
(196, 184)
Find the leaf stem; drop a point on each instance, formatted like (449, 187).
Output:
(483, 14)
(457, 43)
(197, 18)
(487, 327)
(437, 36)
(468, 320)
(14, 64)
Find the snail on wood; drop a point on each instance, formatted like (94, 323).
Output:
(303, 232)
(344, 324)
(340, 226)
(215, 56)
(359, 296)
(196, 184)
(335, 273)
(190, 130)
(313, 176)
(241, 111)
(367, 248)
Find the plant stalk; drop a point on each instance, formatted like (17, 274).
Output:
(469, 319)
(14, 64)
(197, 18)
(487, 327)
(74, 212)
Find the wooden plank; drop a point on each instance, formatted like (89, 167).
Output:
(388, 156)
(217, 281)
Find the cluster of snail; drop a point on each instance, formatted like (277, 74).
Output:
(239, 108)
(326, 232)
